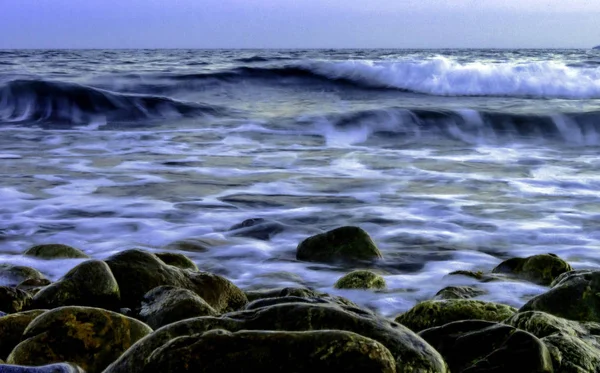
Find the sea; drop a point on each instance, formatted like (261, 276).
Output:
(450, 159)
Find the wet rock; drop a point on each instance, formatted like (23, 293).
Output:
(574, 346)
(137, 272)
(479, 275)
(55, 251)
(276, 296)
(13, 300)
(177, 260)
(76, 334)
(12, 328)
(410, 352)
(574, 297)
(341, 244)
(219, 350)
(33, 285)
(167, 304)
(52, 368)
(90, 284)
(361, 279)
(433, 313)
(257, 228)
(540, 269)
(459, 292)
(13, 275)
(198, 245)
(480, 346)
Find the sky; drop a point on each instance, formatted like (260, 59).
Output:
(299, 23)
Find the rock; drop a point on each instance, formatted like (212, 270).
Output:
(481, 346)
(433, 313)
(34, 285)
(177, 260)
(458, 292)
(137, 272)
(52, 368)
(12, 328)
(574, 297)
(55, 251)
(89, 284)
(198, 245)
(13, 300)
(272, 351)
(76, 334)
(257, 228)
(283, 295)
(574, 346)
(360, 279)
(345, 243)
(167, 304)
(480, 276)
(540, 269)
(13, 275)
(410, 352)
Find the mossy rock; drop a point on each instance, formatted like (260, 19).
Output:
(12, 328)
(272, 351)
(257, 228)
(575, 297)
(479, 275)
(481, 346)
(361, 279)
(411, 353)
(89, 284)
(55, 251)
(341, 244)
(89, 337)
(13, 300)
(540, 269)
(574, 346)
(459, 292)
(167, 304)
(267, 297)
(34, 285)
(13, 275)
(177, 260)
(51, 368)
(137, 272)
(433, 313)
(196, 245)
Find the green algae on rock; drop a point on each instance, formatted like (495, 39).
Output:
(341, 244)
(12, 328)
(540, 269)
(55, 251)
(458, 292)
(177, 260)
(303, 352)
(90, 284)
(89, 337)
(433, 313)
(482, 346)
(360, 279)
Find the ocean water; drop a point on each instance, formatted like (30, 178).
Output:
(450, 159)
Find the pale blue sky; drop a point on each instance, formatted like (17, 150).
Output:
(299, 23)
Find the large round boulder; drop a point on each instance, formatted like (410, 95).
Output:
(177, 260)
(540, 269)
(90, 284)
(361, 279)
(55, 251)
(89, 337)
(341, 244)
(433, 313)
(12, 328)
(268, 297)
(458, 292)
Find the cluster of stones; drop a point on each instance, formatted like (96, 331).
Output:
(142, 312)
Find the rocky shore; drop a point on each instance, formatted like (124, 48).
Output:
(142, 312)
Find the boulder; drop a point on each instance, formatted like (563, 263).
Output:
(433, 313)
(410, 352)
(574, 296)
(34, 285)
(341, 244)
(90, 284)
(13, 275)
(539, 269)
(177, 260)
(219, 351)
(167, 304)
(51, 368)
(481, 346)
(137, 272)
(257, 228)
(479, 275)
(13, 300)
(267, 297)
(12, 328)
(361, 279)
(459, 292)
(55, 251)
(89, 337)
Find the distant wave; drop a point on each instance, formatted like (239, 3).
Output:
(69, 103)
(261, 59)
(439, 76)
